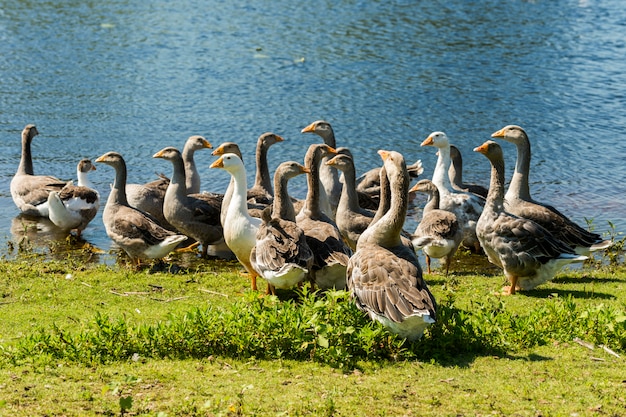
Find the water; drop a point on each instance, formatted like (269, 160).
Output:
(135, 77)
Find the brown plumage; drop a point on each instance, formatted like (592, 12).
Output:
(455, 173)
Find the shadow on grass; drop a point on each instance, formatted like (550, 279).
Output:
(550, 292)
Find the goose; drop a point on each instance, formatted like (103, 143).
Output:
(455, 173)
(281, 254)
(438, 233)
(384, 275)
(195, 215)
(30, 191)
(367, 201)
(465, 206)
(330, 187)
(331, 254)
(518, 201)
(149, 197)
(131, 229)
(529, 254)
(240, 228)
(350, 218)
(74, 206)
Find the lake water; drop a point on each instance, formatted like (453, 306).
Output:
(135, 77)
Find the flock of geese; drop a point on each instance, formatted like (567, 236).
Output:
(346, 234)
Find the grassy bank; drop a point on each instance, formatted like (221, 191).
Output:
(83, 339)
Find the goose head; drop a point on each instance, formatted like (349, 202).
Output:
(113, 159)
(424, 186)
(492, 150)
(229, 162)
(323, 129)
(227, 147)
(511, 133)
(197, 142)
(268, 139)
(436, 139)
(85, 166)
(169, 154)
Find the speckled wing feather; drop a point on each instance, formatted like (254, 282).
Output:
(34, 189)
(440, 223)
(281, 242)
(326, 243)
(389, 282)
(74, 191)
(132, 224)
(206, 207)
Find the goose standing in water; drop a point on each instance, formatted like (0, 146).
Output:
(195, 215)
(438, 233)
(529, 254)
(131, 229)
(30, 191)
(350, 218)
(330, 187)
(384, 275)
(281, 254)
(240, 228)
(330, 252)
(465, 206)
(518, 201)
(455, 173)
(74, 206)
(149, 197)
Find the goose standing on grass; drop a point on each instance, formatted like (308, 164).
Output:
(149, 197)
(384, 275)
(240, 228)
(281, 254)
(465, 206)
(350, 218)
(438, 233)
(30, 191)
(529, 254)
(455, 173)
(74, 206)
(195, 215)
(131, 229)
(518, 201)
(330, 187)
(330, 252)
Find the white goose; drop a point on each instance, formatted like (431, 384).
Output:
(465, 206)
(30, 191)
(240, 228)
(384, 275)
(74, 206)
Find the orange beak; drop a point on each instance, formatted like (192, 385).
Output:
(428, 141)
(482, 148)
(158, 154)
(309, 128)
(498, 134)
(206, 144)
(384, 154)
(218, 164)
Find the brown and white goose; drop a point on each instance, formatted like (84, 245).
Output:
(455, 173)
(281, 254)
(74, 206)
(149, 197)
(438, 233)
(465, 206)
(330, 187)
(330, 252)
(131, 229)
(384, 275)
(195, 215)
(518, 201)
(30, 191)
(529, 254)
(240, 228)
(350, 218)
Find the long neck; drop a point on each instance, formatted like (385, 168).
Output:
(192, 181)
(262, 177)
(385, 196)
(433, 201)
(238, 200)
(495, 197)
(440, 175)
(283, 207)
(455, 172)
(177, 185)
(83, 180)
(387, 230)
(228, 195)
(311, 203)
(118, 191)
(349, 197)
(26, 161)
(519, 188)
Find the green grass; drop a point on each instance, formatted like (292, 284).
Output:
(84, 339)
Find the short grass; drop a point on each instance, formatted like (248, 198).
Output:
(84, 339)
